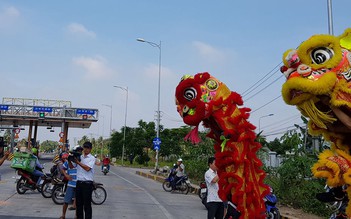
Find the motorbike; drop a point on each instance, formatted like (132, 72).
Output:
(28, 181)
(182, 184)
(203, 193)
(105, 169)
(335, 199)
(99, 194)
(47, 185)
(270, 201)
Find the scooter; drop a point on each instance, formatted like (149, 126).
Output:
(98, 196)
(270, 201)
(335, 199)
(105, 169)
(203, 193)
(28, 181)
(182, 185)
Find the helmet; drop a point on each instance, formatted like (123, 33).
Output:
(180, 160)
(34, 150)
(64, 156)
(106, 155)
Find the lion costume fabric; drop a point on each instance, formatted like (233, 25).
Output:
(204, 98)
(318, 76)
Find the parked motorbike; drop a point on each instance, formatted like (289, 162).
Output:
(335, 199)
(99, 194)
(105, 169)
(203, 193)
(270, 201)
(59, 191)
(47, 185)
(182, 184)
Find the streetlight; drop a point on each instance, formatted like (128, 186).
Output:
(110, 106)
(259, 121)
(159, 85)
(125, 119)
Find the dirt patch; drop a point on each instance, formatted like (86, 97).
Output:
(296, 213)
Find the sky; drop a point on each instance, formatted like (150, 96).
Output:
(79, 50)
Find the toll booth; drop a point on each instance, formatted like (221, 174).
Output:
(19, 112)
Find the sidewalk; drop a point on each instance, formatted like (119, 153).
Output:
(194, 188)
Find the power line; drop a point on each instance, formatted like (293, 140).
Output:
(264, 88)
(171, 118)
(250, 88)
(282, 122)
(284, 130)
(266, 104)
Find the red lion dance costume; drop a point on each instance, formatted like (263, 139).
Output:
(318, 82)
(204, 98)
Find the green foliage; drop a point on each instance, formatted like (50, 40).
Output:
(48, 146)
(296, 187)
(142, 159)
(196, 158)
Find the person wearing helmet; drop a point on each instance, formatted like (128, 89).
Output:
(180, 172)
(38, 167)
(106, 162)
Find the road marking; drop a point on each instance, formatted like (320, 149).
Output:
(163, 209)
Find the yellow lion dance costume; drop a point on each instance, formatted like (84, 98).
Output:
(318, 82)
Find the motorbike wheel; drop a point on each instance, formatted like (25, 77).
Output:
(99, 195)
(58, 195)
(20, 186)
(184, 188)
(167, 186)
(105, 172)
(46, 189)
(274, 214)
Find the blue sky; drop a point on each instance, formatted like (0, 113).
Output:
(78, 50)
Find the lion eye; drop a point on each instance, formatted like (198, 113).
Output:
(190, 93)
(321, 55)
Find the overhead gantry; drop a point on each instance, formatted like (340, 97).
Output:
(19, 112)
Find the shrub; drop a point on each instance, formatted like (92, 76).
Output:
(294, 186)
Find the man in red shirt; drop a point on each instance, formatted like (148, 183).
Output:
(106, 162)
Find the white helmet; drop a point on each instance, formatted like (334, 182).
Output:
(180, 160)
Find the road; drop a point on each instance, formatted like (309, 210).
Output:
(128, 196)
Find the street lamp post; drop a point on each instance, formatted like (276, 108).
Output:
(158, 96)
(125, 120)
(259, 121)
(110, 106)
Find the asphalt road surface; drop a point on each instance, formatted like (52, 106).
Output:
(128, 196)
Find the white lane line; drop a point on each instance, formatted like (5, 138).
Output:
(163, 209)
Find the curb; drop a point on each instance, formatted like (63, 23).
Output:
(194, 189)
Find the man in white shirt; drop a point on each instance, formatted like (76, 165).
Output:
(214, 203)
(85, 177)
(180, 172)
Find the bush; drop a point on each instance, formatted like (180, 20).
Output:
(142, 159)
(294, 186)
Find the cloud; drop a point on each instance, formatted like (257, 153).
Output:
(8, 15)
(95, 67)
(79, 29)
(209, 52)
